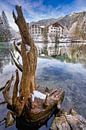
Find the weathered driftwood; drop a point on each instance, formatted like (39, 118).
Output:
(35, 117)
(29, 58)
(9, 120)
(6, 91)
(18, 65)
(37, 110)
(1, 103)
(28, 111)
(2, 88)
(69, 121)
(16, 48)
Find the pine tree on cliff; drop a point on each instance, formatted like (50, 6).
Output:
(1, 29)
(6, 26)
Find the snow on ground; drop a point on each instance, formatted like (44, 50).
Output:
(37, 94)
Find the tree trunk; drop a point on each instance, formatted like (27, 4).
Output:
(29, 61)
(29, 58)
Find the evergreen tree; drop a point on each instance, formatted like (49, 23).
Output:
(6, 26)
(5, 20)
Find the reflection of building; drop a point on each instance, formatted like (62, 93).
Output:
(51, 49)
(43, 34)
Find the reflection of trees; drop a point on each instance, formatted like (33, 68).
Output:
(78, 52)
(56, 43)
(45, 40)
(4, 55)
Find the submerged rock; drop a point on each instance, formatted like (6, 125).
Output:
(69, 121)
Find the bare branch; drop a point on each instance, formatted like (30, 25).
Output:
(19, 11)
(18, 43)
(2, 88)
(2, 122)
(14, 16)
(16, 48)
(15, 90)
(19, 66)
(6, 95)
(1, 103)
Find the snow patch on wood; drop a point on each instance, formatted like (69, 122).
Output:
(37, 94)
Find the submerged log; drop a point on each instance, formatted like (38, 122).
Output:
(18, 65)
(1, 103)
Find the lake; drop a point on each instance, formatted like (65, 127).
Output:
(52, 73)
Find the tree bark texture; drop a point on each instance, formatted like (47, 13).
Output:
(26, 85)
(29, 58)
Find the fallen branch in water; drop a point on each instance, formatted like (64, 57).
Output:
(8, 120)
(18, 65)
(2, 122)
(2, 88)
(1, 103)
(16, 48)
(6, 90)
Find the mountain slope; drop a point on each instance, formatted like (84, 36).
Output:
(74, 24)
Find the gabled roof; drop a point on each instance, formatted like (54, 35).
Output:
(37, 25)
(56, 24)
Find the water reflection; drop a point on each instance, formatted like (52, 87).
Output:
(21, 125)
(4, 55)
(52, 73)
(71, 77)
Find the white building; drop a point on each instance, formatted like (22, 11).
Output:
(42, 34)
(36, 32)
(55, 30)
(52, 31)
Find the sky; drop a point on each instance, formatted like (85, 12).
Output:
(35, 10)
